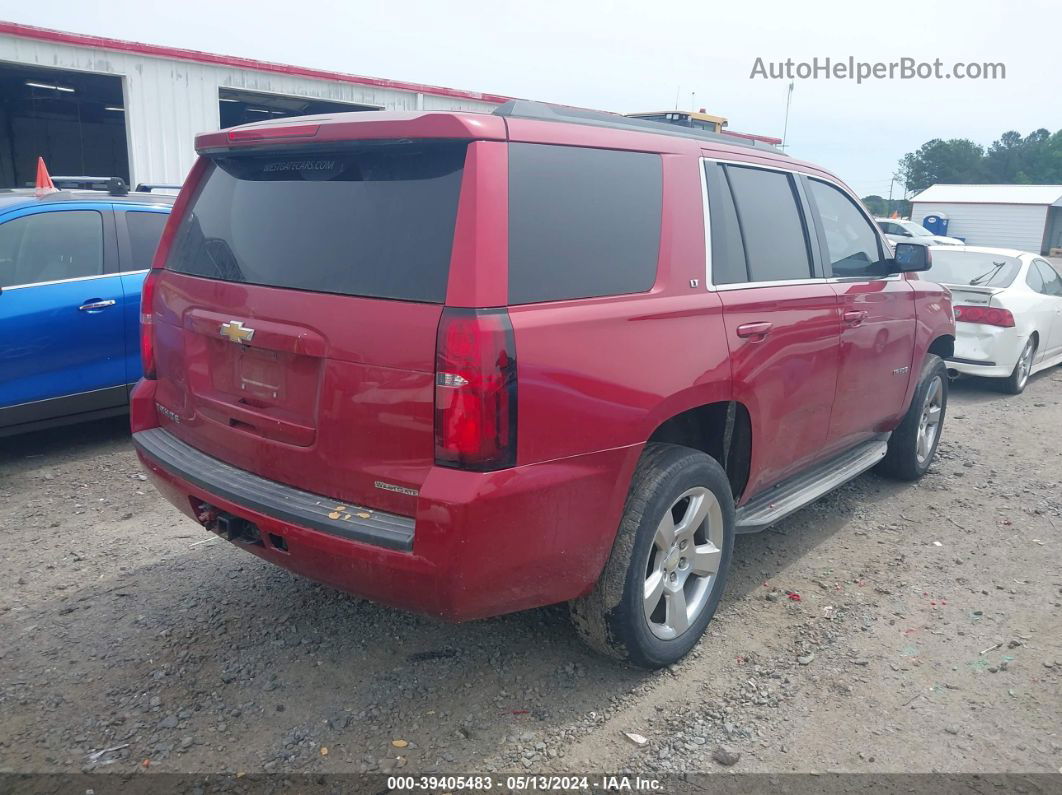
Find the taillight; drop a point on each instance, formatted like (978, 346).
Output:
(475, 390)
(147, 323)
(986, 315)
(261, 133)
(158, 262)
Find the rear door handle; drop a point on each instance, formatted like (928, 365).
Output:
(96, 304)
(758, 329)
(854, 316)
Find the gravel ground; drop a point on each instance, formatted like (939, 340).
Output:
(889, 627)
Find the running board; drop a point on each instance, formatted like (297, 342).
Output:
(793, 494)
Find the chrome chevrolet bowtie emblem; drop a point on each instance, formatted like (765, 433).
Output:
(235, 331)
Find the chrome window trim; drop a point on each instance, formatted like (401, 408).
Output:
(750, 164)
(73, 279)
(892, 277)
(775, 283)
(707, 226)
(709, 284)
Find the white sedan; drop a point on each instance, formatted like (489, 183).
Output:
(1008, 312)
(898, 231)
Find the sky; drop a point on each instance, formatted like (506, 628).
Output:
(639, 56)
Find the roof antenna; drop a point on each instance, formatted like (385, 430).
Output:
(678, 90)
(785, 127)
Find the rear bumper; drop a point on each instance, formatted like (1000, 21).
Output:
(987, 351)
(482, 544)
(313, 511)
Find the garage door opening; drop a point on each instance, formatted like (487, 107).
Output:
(241, 107)
(74, 120)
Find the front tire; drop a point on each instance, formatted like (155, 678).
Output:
(668, 566)
(913, 444)
(1015, 383)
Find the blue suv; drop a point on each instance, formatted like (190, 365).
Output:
(71, 266)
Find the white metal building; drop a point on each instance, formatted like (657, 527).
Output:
(104, 107)
(1025, 217)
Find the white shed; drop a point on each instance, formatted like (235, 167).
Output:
(1025, 217)
(105, 107)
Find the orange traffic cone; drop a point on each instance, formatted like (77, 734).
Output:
(44, 179)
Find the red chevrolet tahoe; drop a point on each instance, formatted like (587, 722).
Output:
(468, 364)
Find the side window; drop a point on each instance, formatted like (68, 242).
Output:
(728, 250)
(1052, 281)
(851, 242)
(51, 246)
(145, 229)
(1035, 279)
(582, 222)
(10, 242)
(887, 228)
(772, 227)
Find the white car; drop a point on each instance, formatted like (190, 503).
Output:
(898, 231)
(1008, 311)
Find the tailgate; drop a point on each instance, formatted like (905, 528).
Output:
(295, 322)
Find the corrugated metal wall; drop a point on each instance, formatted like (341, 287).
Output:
(168, 101)
(1019, 226)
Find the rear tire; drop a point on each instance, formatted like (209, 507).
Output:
(913, 444)
(1015, 383)
(668, 566)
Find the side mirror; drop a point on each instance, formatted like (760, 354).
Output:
(911, 258)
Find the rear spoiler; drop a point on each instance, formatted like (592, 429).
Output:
(973, 288)
(364, 125)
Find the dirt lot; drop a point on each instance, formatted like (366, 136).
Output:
(927, 635)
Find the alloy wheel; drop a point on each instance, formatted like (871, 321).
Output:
(1025, 365)
(929, 422)
(683, 563)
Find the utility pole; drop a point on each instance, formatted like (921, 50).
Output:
(892, 181)
(788, 99)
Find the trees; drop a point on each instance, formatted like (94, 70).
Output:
(1035, 159)
(953, 161)
(881, 207)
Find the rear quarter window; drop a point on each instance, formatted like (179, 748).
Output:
(582, 222)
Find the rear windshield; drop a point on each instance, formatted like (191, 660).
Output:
(377, 221)
(972, 267)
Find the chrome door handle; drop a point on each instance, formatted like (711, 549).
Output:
(854, 316)
(94, 306)
(759, 329)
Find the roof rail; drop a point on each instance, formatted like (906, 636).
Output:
(542, 111)
(144, 187)
(113, 185)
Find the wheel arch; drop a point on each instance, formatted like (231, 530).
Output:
(943, 346)
(722, 429)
